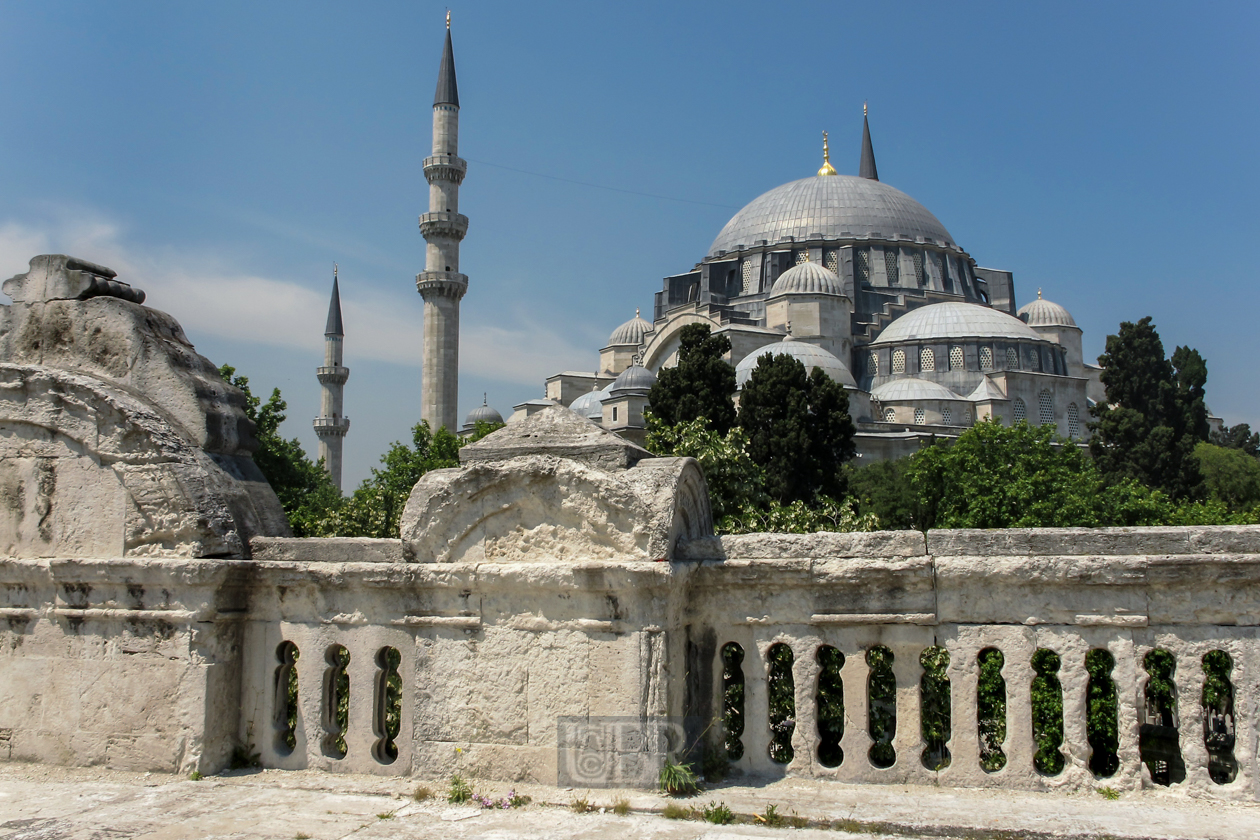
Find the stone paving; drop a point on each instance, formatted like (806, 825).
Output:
(45, 803)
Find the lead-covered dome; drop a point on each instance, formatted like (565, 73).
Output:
(810, 355)
(833, 206)
(954, 320)
(912, 388)
(590, 405)
(482, 414)
(1045, 313)
(631, 332)
(807, 278)
(633, 378)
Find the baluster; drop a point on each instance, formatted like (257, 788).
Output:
(757, 708)
(1018, 673)
(1189, 677)
(856, 741)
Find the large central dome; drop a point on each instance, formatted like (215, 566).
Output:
(835, 206)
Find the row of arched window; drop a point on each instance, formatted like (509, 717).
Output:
(1159, 744)
(335, 702)
(957, 360)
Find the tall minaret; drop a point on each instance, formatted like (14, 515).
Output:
(443, 227)
(331, 425)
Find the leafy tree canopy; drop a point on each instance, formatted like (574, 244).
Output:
(1154, 415)
(1238, 437)
(799, 429)
(700, 385)
(1231, 475)
(305, 491)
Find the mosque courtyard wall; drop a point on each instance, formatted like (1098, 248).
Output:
(170, 664)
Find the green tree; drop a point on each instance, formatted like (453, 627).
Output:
(1231, 475)
(1238, 437)
(798, 427)
(700, 385)
(1154, 413)
(735, 481)
(883, 489)
(303, 486)
(1023, 476)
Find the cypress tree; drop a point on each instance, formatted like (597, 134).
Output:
(701, 385)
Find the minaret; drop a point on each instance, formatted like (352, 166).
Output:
(331, 425)
(440, 284)
(866, 169)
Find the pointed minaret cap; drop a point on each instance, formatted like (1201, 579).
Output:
(447, 91)
(334, 310)
(866, 169)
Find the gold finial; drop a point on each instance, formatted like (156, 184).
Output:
(827, 168)
(1038, 293)
(807, 256)
(448, 19)
(334, 271)
(636, 312)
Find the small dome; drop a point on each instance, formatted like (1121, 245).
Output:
(808, 277)
(482, 414)
(955, 320)
(810, 355)
(589, 405)
(912, 389)
(1044, 313)
(633, 378)
(631, 332)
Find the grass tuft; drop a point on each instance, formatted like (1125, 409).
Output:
(581, 805)
(717, 813)
(621, 806)
(1109, 793)
(422, 793)
(674, 811)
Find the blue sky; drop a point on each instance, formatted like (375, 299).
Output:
(222, 156)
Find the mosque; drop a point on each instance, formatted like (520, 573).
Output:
(853, 276)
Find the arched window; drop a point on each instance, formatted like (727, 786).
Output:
(1020, 410)
(956, 358)
(1034, 358)
(1074, 421)
(831, 260)
(874, 363)
(892, 266)
(746, 277)
(899, 361)
(1012, 358)
(947, 416)
(986, 358)
(1045, 408)
(890, 416)
(927, 359)
(919, 417)
(862, 265)
(920, 276)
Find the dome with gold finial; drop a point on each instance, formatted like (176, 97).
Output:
(631, 332)
(1045, 313)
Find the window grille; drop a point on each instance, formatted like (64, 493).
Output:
(920, 276)
(986, 358)
(955, 358)
(1012, 358)
(1021, 410)
(831, 260)
(1034, 358)
(801, 256)
(874, 363)
(919, 417)
(1074, 421)
(899, 361)
(889, 415)
(947, 416)
(1045, 407)
(746, 275)
(862, 265)
(927, 360)
(892, 267)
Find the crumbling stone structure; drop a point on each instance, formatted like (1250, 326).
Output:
(561, 573)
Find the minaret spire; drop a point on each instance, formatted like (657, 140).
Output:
(443, 227)
(866, 169)
(331, 425)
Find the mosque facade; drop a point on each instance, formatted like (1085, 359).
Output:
(851, 275)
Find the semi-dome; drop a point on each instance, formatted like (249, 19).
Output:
(912, 388)
(955, 320)
(808, 277)
(1045, 313)
(633, 378)
(631, 332)
(835, 206)
(810, 355)
(590, 404)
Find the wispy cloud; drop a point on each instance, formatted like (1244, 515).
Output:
(211, 296)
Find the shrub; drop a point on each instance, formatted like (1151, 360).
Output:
(717, 813)
(678, 778)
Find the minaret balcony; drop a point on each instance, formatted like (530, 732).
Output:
(447, 283)
(443, 225)
(332, 375)
(332, 426)
(448, 168)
